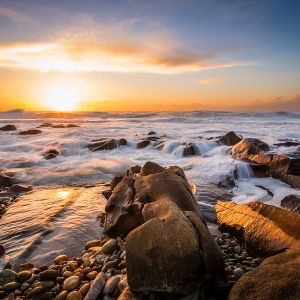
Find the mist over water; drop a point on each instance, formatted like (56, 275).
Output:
(212, 171)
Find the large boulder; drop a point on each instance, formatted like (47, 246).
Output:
(169, 249)
(291, 202)
(106, 144)
(8, 127)
(30, 132)
(264, 229)
(230, 139)
(190, 149)
(278, 166)
(278, 277)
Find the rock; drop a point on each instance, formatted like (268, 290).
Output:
(58, 125)
(167, 248)
(85, 288)
(264, 229)
(190, 149)
(23, 276)
(278, 277)
(75, 295)
(20, 188)
(110, 246)
(71, 283)
(8, 127)
(60, 258)
(2, 251)
(248, 147)
(30, 132)
(51, 153)
(237, 249)
(291, 202)
(7, 276)
(11, 286)
(230, 138)
(63, 295)
(34, 292)
(288, 144)
(143, 144)
(5, 180)
(48, 275)
(91, 244)
(152, 133)
(107, 194)
(110, 285)
(127, 295)
(238, 272)
(151, 168)
(96, 287)
(25, 266)
(106, 144)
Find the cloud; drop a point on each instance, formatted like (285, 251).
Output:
(105, 56)
(211, 81)
(13, 15)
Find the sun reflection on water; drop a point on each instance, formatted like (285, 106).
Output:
(63, 194)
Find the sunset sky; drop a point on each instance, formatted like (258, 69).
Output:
(150, 55)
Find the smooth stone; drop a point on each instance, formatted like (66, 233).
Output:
(25, 266)
(84, 289)
(75, 295)
(111, 285)
(67, 274)
(91, 244)
(48, 275)
(92, 275)
(71, 283)
(58, 259)
(237, 250)
(7, 276)
(86, 262)
(110, 246)
(238, 272)
(46, 284)
(23, 276)
(62, 296)
(11, 286)
(25, 286)
(96, 287)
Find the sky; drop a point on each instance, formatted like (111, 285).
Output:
(140, 55)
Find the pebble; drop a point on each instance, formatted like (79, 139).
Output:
(36, 291)
(71, 283)
(11, 286)
(75, 295)
(92, 275)
(58, 259)
(48, 275)
(67, 274)
(63, 295)
(111, 285)
(25, 266)
(91, 244)
(238, 272)
(237, 250)
(25, 286)
(7, 276)
(23, 276)
(84, 289)
(110, 246)
(96, 287)
(86, 262)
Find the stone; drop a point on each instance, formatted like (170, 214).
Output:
(71, 283)
(230, 139)
(8, 127)
(23, 276)
(7, 276)
(110, 246)
(249, 146)
(34, 292)
(2, 251)
(151, 168)
(48, 275)
(127, 295)
(238, 272)
(62, 295)
(237, 250)
(5, 180)
(51, 153)
(30, 132)
(11, 286)
(96, 287)
(264, 229)
(21, 188)
(143, 144)
(110, 285)
(75, 295)
(190, 149)
(26, 266)
(85, 288)
(106, 194)
(291, 202)
(60, 259)
(92, 275)
(277, 277)
(106, 144)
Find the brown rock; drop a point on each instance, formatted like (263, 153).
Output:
(249, 146)
(30, 132)
(127, 295)
(51, 153)
(190, 149)
(264, 229)
(278, 277)
(106, 144)
(291, 202)
(230, 138)
(144, 143)
(151, 168)
(8, 127)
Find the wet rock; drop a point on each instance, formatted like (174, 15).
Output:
(25, 266)
(278, 277)
(71, 283)
(11, 286)
(106, 144)
(91, 244)
(85, 288)
(48, 275)
(110, 246)
(190, 149)
(8, 127)
(230, 138)
(5, 180)
(51, 153)
(238, 272)
(23, 276)
(143, 144)
(21, 188)
(62, 295)
(7, 276)
(249, 146)
(264, 229)
(291, 202)
(30, 132)
(75, 295)
(110, 285)
(51, 125)
(36, 291)
(107, 194)
(96, 287)
(151, 168)
(60, 258)
(152, 133)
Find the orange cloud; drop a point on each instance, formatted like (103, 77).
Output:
(209, 81)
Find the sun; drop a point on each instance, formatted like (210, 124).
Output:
(63, 96)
